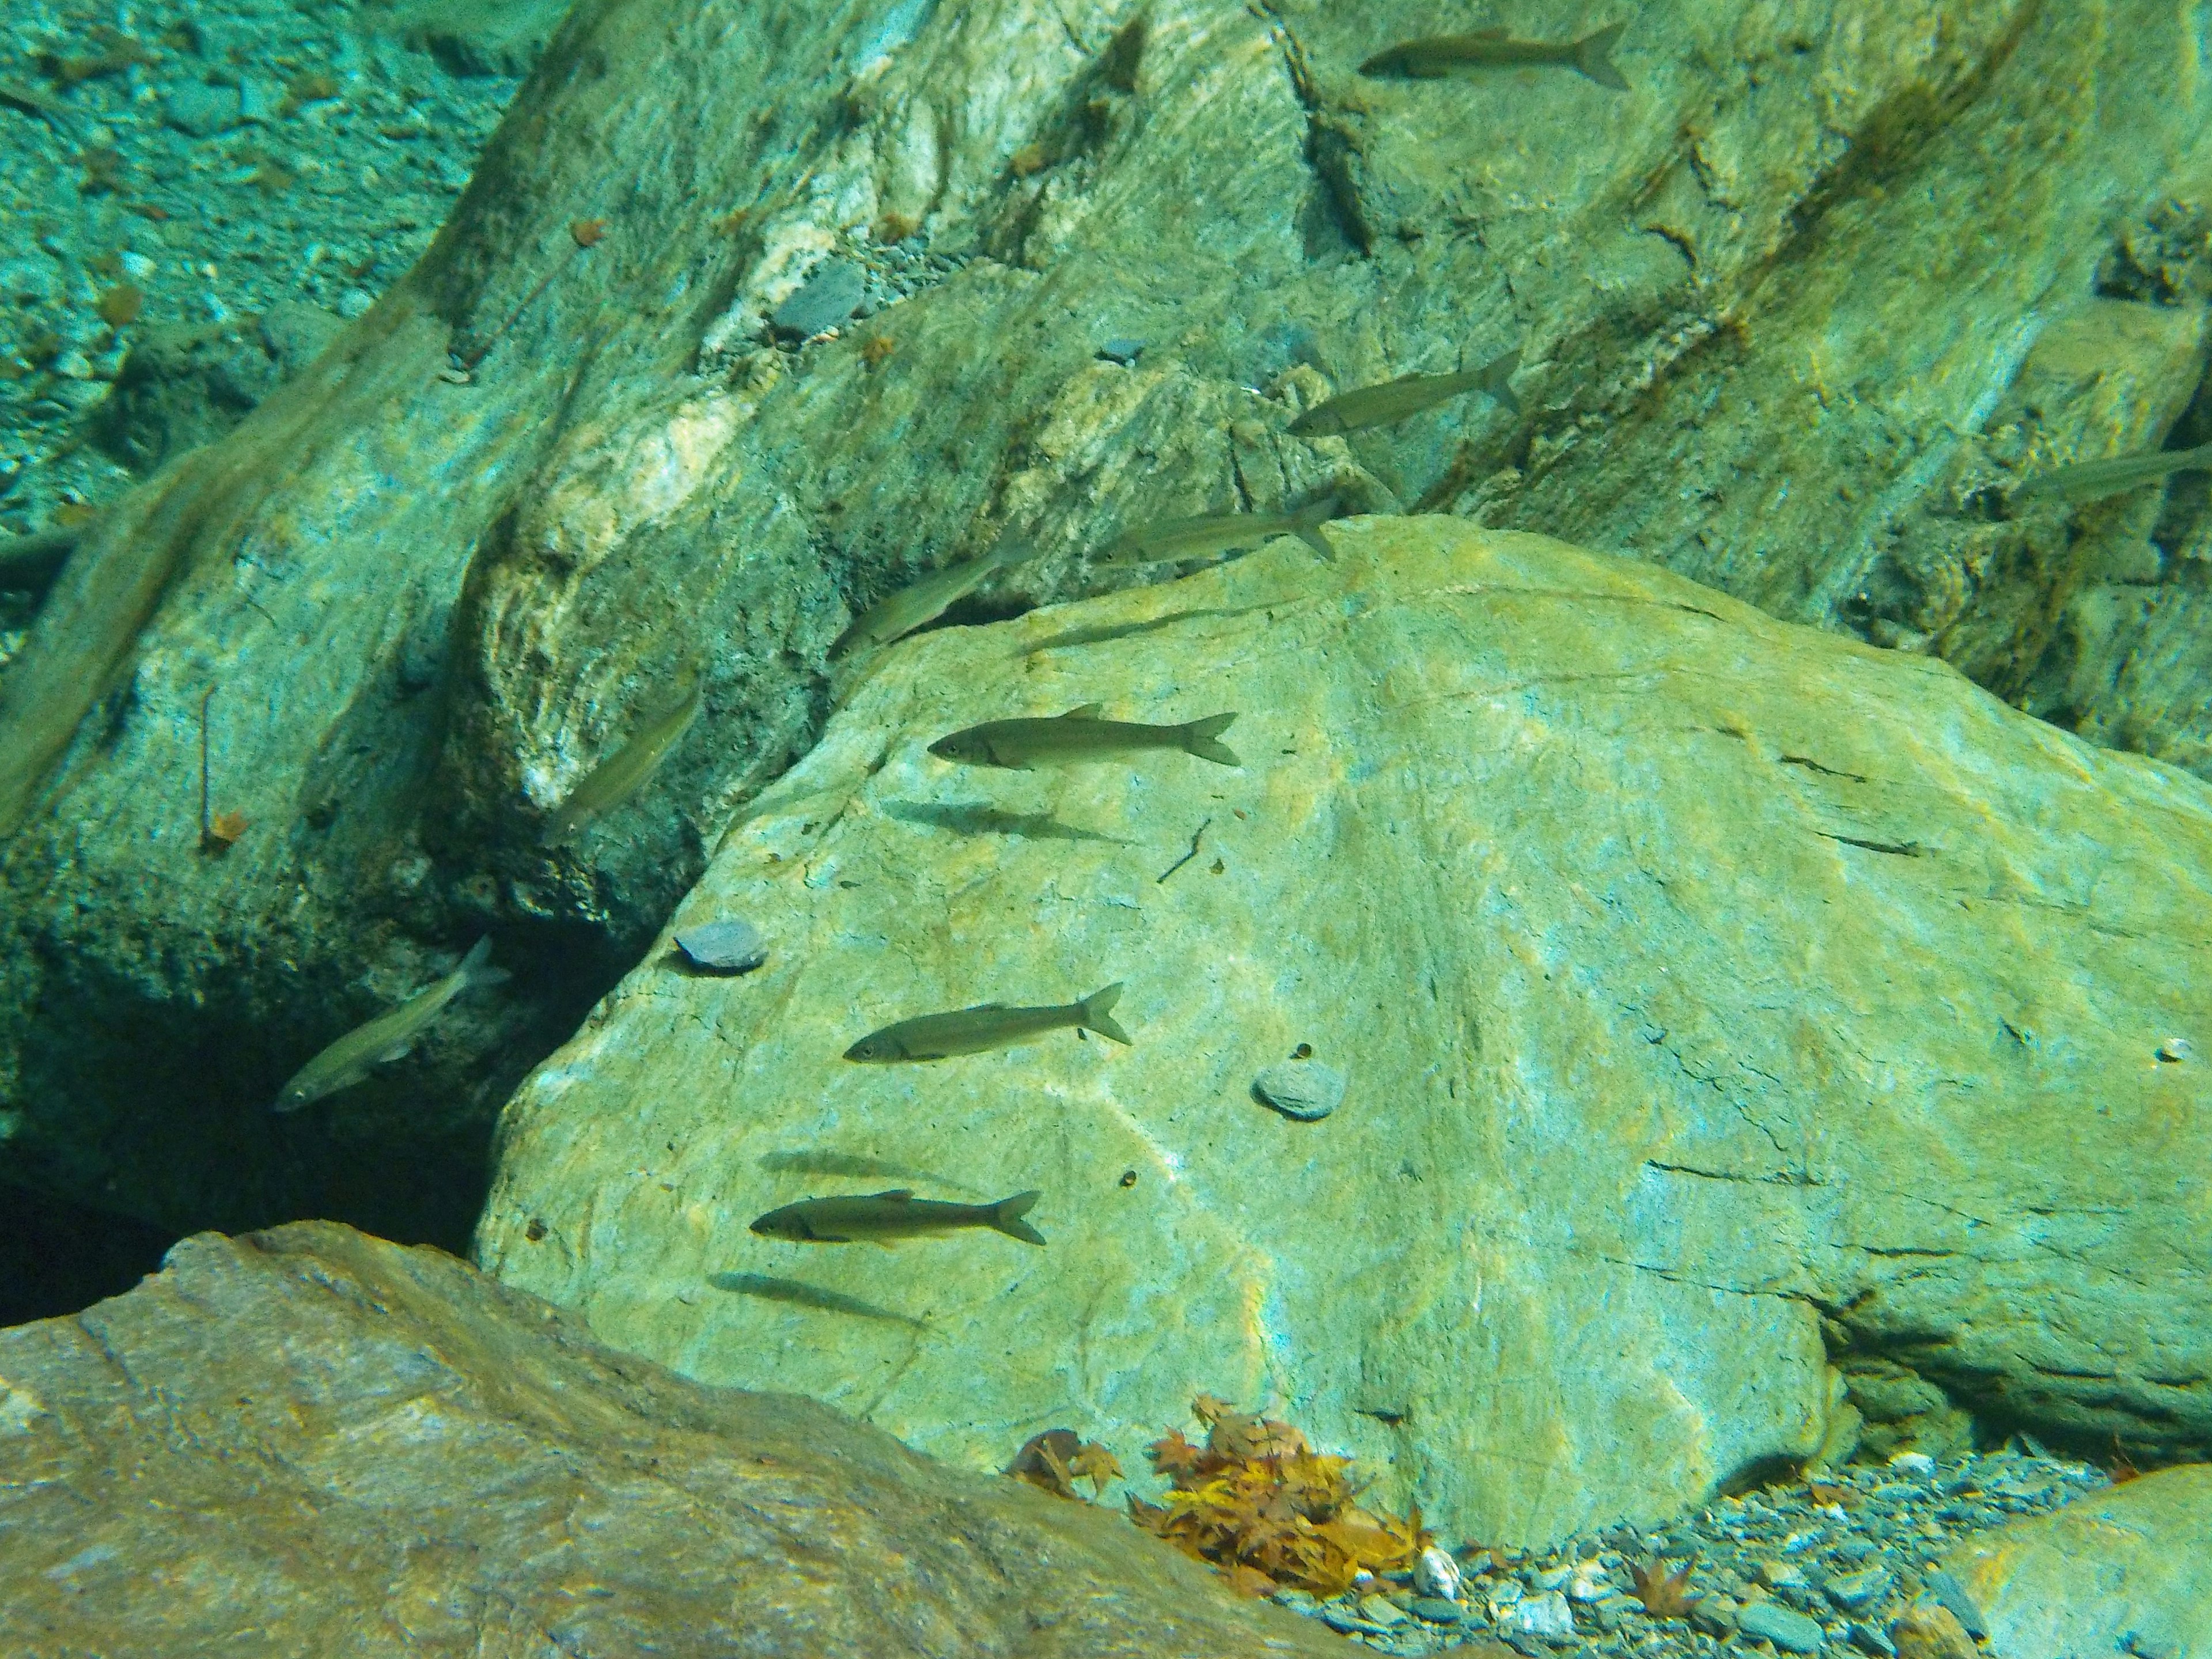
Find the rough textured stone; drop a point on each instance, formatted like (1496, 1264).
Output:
(1704, 977)
(2119, 1574)
(549, 475)
(309, 1441)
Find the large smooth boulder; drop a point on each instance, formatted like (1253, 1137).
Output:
(312, 1441)
(438, 576)
(1717, 997)
(2121, 1574)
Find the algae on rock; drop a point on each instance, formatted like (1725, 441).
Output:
(1711, 983)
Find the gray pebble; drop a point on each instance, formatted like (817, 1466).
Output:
(1303, 1088)
(1768, 1621)
(201, 111)
(1856, 1592)
(828, 298)
(1869, 1639)
(1437, 1610)
(1122, 351)
(731, 947)
(356, 303)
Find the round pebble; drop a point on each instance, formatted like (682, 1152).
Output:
(1303, 1088)
(729, 946)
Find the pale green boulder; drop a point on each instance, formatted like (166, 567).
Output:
(2121, 1574)
(1711, 993)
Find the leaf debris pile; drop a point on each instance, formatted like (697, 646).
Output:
(1259, 1504)
(1058, 1458)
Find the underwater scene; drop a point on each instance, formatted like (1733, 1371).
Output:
(1082, 827)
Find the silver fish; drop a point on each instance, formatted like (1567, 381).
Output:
(1168, 539)
(619, 776)
(880, 1217)
(1493, 48)
(987, 1025)
(927, 599)
(1407, 396)
(1081, 736)
(2091, 481)
(387, 1036)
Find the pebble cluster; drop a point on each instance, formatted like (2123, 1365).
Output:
(1826, 1567)
(166, 168)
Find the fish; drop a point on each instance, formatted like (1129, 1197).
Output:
(881, 1218)
(2091, 481)
(800, 1295)
(1168, 539)
(850, 1164)
(1493, 48)
(986, 1026)
(927, 599)
(1078, 737)
(1407, 396)
(387, 1036)
(619, 776)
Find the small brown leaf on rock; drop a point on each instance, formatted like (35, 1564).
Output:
(121, 304)
(1093, 1463)
(222, 832)
(587, 231)
(1665, 1595)
(1821, 1492)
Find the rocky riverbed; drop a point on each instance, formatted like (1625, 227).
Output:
(1832, 1564)
(196, 199)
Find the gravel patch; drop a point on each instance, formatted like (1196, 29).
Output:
(1826, 1566)
(173, 178)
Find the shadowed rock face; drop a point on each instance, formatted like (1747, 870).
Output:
(1710, 992)
(310, 1441)
(431, 607)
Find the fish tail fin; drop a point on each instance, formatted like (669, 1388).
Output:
(1306, 523)
(1201, 739)
(1593, 56)
(1495, 376)
(1007, 1216)
(1096, 1016)
(475, 967)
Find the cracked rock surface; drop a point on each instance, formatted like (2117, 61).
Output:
(310, 1441)
(1737, 1011)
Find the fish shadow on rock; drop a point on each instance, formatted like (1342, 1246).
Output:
(979, 818)
(1101, 635)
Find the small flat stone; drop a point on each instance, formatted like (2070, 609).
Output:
(1868, 1639)
(1303, 1088)
(1121, 351)
(729, 946)
(1854, 1592)
(1546, 1614)
(1378, 1610)
(201, 111)
(827, 299)
(1437, 1610)
(1793, 1632)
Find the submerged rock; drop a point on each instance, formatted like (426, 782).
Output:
(2125, 1573)
(730, 945)
(1627, 905)
(380, 1437)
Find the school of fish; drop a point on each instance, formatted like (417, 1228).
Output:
(1026, 740)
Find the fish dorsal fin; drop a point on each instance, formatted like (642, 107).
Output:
(898, 1194)
(1084, 711)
